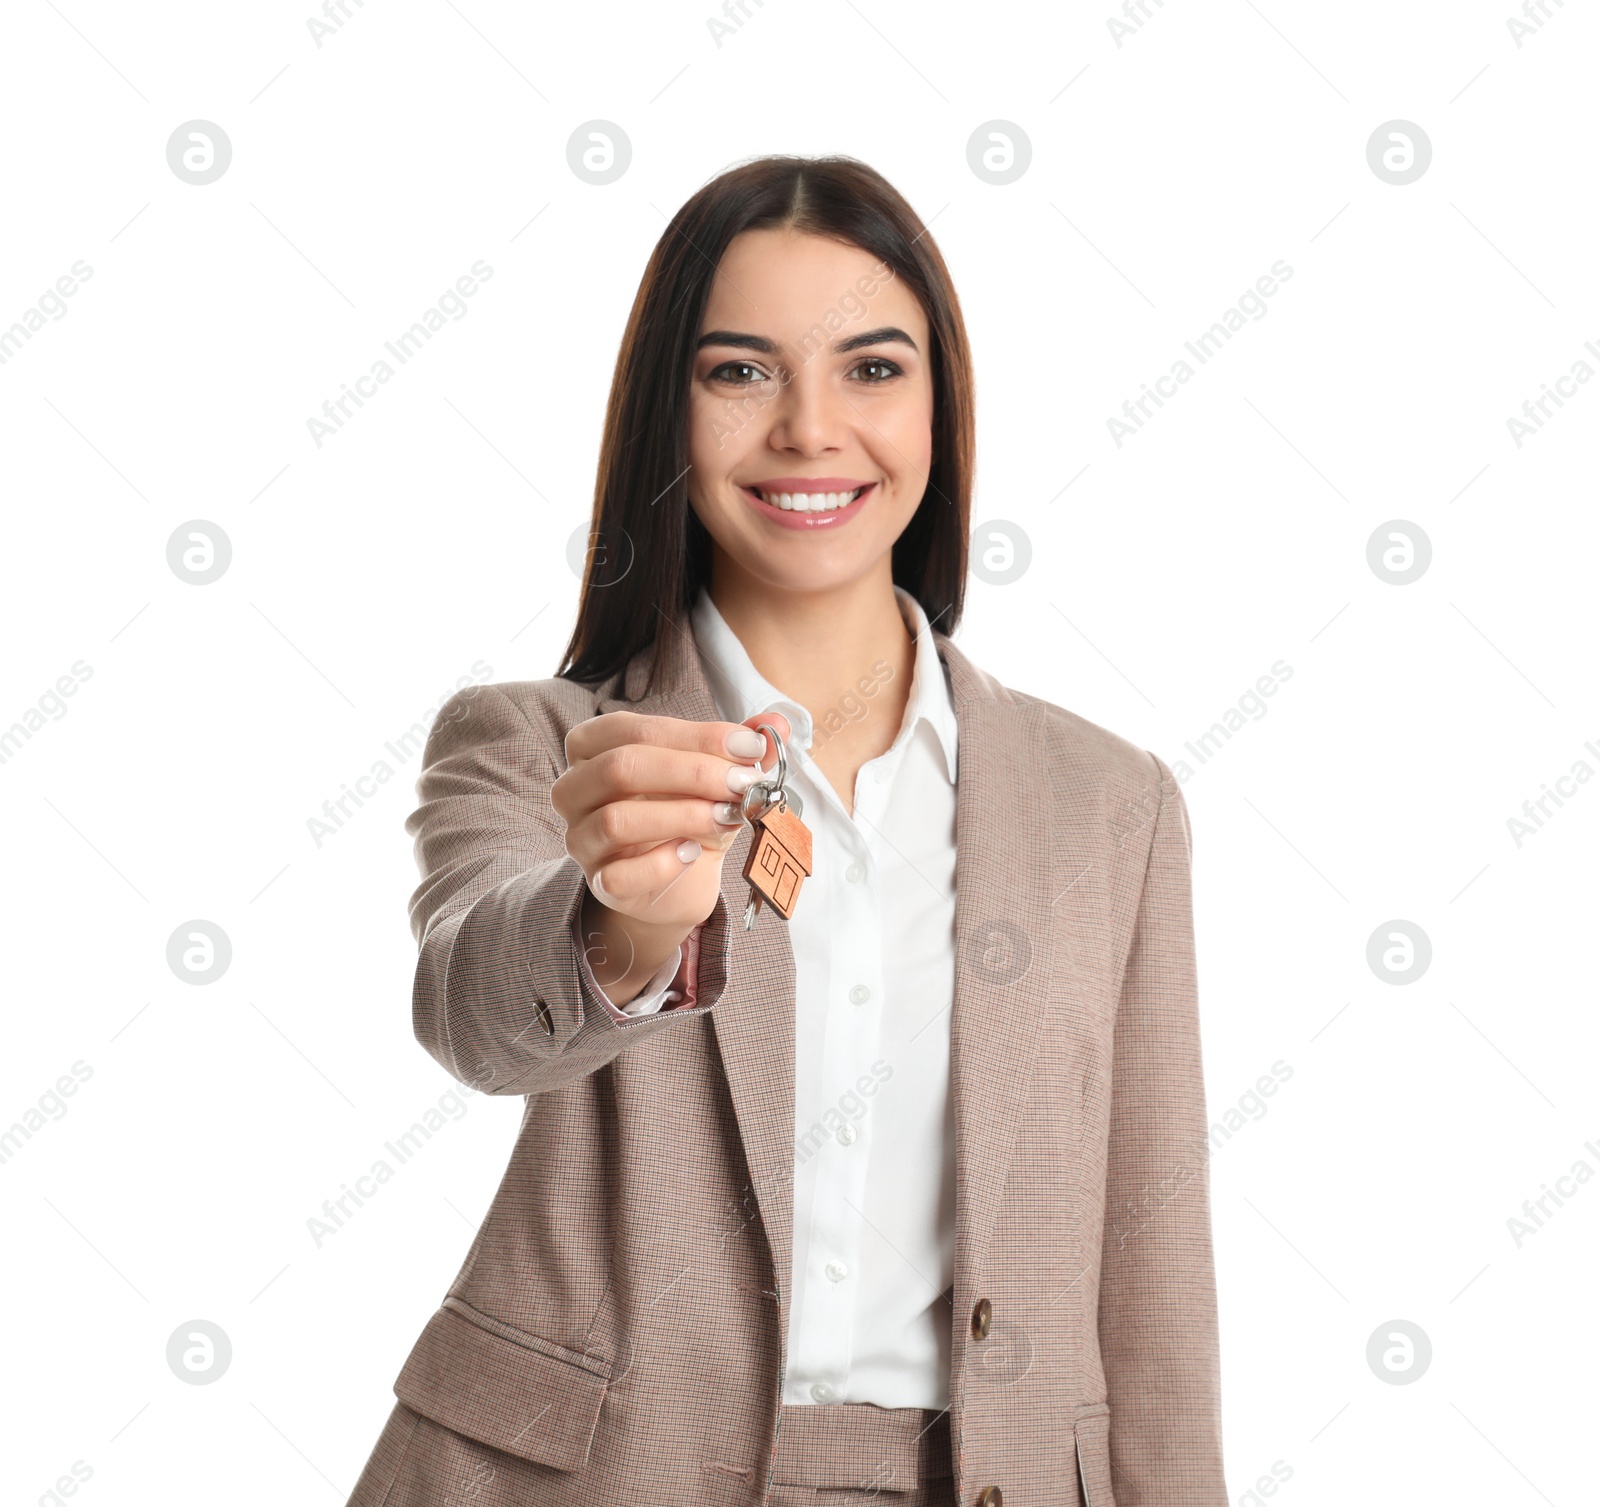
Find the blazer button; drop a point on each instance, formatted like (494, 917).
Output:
(989, 1497)
(546, 1023)
(980, 1329)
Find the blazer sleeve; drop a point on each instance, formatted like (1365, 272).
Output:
(1158, 1305)
(499, 997)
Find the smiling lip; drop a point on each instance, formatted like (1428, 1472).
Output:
(808, 486)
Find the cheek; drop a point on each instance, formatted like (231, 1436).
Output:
(710, 462)
(721, 435)
(704, 452)
(909, 429)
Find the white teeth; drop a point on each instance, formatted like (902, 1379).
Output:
(810, 502)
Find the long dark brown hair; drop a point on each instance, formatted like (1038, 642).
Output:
(648, 553)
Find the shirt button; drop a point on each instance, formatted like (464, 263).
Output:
(837, 1271)
(846, 1134)
(822, 1392)
(856, 873)
(860, 994)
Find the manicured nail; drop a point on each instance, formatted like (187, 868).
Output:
(688, 850)
(741, 778)
(727, 812)
(598, 887)
(746, 743)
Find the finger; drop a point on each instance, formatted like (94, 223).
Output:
(639, 883)
(769, 756)
(625, 829)
(593, 737)
(646, 771)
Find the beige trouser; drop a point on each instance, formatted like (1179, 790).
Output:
(857, 1452)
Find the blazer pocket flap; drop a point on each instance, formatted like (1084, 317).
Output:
(1091, 1428)
(501, 1393)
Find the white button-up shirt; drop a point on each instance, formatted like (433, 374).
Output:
(873, 940)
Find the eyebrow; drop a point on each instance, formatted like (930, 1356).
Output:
(885, 335)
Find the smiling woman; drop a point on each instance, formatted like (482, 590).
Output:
(787, 294)
(827, 1208)
(875, 384)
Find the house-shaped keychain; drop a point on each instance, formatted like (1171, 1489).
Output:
(779, 859)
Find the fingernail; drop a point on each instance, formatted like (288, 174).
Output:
(746, 743)
(597, 886)
(727, 812)
(741, 778)
(688, 850)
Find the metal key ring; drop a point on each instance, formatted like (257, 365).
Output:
(770, 786)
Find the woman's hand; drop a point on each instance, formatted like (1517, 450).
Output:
(651, 806)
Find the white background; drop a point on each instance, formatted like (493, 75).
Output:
(369, 574)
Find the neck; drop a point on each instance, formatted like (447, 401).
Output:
(820, 646)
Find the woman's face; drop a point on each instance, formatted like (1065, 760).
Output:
(811, 387)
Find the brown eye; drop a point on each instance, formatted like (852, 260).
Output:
(889, 368)
(748, 374)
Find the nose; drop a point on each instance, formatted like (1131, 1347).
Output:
(810, 416)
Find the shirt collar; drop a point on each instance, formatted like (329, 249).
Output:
(740, 690)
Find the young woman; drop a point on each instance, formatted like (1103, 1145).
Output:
(901, 1197)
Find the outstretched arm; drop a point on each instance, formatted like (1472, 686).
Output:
(500, 997)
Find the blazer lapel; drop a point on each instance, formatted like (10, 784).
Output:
(1008, 877)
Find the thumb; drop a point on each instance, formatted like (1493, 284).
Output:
(769, 760)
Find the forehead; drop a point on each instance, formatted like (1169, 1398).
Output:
(781, 284)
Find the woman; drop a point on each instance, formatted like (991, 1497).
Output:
(904, 1196)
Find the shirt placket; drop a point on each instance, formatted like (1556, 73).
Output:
(839, 1236)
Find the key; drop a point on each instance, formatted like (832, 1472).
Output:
(780, 847)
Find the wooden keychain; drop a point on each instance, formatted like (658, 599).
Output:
(780, 849)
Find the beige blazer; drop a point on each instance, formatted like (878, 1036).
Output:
(616, 1335)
